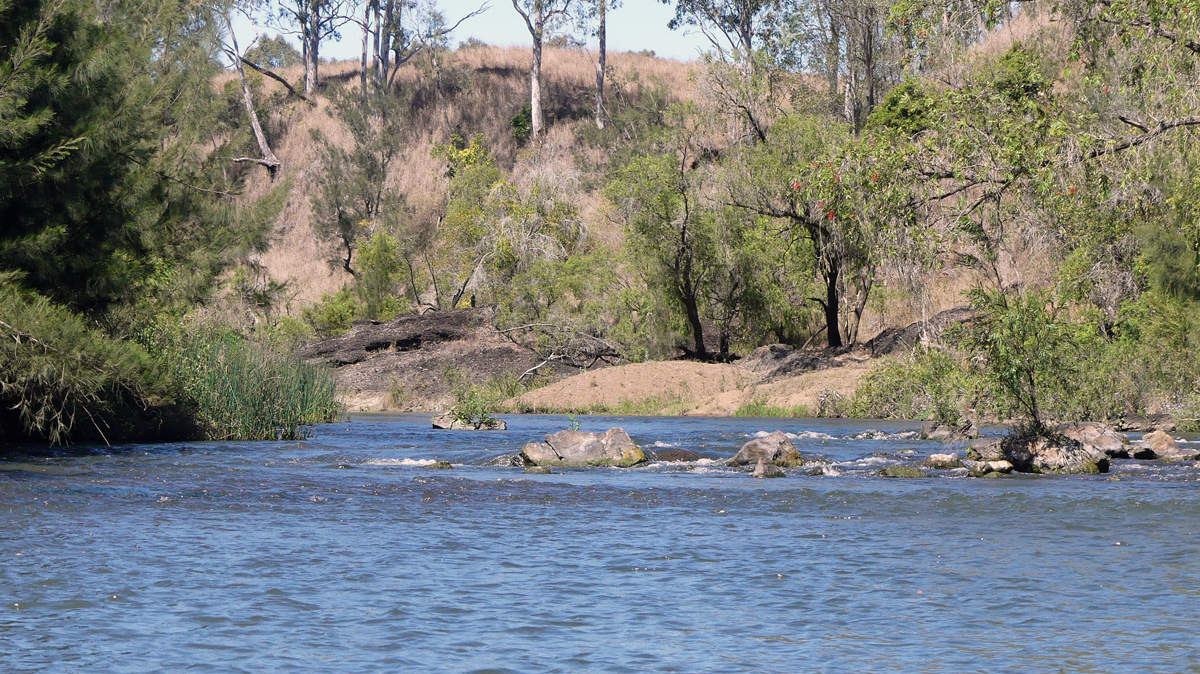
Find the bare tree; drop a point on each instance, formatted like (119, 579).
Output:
(229, 45)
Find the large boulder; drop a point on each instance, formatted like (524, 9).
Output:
(1096, 436)
(1160, 445)
(903, 471)
(775, 447)
(580, 448)
(451, 423)
(1041, 454)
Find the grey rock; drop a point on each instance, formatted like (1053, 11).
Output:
(676, 455)
(580, 448)
(986, 449)
(943, 461)
(1152, 422)
(537, 470)
(442, 465)
(988, 468)
(931, 430)
(764, 469)
(1096, 436)
(1041, 454)
(773, 448)
(507, 461)
(1164, 447)
(903, 471)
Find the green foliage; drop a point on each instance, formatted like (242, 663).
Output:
(334, 314)
(927, 384)
(61, 379)
(1024, 349)
(1018, 74)
(274, 52)
(381, 269)
(909, 108)
(522, 124)
(473, 404)
(353, 198)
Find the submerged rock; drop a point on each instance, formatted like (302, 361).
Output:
(580, 448)
(775, 447)
(449, 423)
(1164, 447)
(764, 469)
(537, 470)
(903, 471)
(943, 461)
(1097, 436)
(676, 455)
(507, 461)
(1040, 454)
(441, 465)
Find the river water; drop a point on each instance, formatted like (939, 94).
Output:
(348, 552)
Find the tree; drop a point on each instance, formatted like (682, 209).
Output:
(353, 196)
(314, 21)
(229, 44)
(539, 16)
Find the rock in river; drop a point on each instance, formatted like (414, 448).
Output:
(764, 469)
(449, 422)
(771, 448)
(943, 461)
(580, 448)
(1097, 436)
(1041, 454)
(676, 455)
(1163, 446)
(931, 430)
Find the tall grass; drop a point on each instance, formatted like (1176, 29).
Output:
(243, 390)
(762, 410)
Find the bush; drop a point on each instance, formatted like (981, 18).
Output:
(473, 404)
(334, 314)
(926, 384)
(61, 379)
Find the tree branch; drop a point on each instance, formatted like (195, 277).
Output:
(277, 78)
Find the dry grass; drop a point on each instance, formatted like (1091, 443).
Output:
(482, 89)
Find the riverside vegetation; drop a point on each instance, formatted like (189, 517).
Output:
(824, 168)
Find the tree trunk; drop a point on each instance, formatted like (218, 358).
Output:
(385, 41)
(602, 34)
(269, 159)
(366, 50)
(311, 58)
(832, 330)
(535, 76)
(833, 60)
(693, 317)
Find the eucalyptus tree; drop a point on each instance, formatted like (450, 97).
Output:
(314, 21)
(539, 16)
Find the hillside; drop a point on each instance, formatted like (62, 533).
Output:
(486, 86)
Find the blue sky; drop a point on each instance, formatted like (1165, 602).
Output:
(633, 26)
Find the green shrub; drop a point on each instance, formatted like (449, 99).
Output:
(334, 314)
(61, 379)
(926, 384)
(522, 124)
(473, 404)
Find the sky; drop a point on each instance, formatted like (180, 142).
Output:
(633, 26)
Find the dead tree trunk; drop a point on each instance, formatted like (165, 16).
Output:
(602, 35)
(269, 160)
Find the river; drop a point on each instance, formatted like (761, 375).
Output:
(349, 552)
